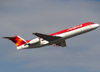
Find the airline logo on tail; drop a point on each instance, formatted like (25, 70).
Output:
(17, 40)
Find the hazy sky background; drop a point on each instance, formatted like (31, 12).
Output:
(24, 17)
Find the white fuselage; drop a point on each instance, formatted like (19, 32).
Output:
(38, 42)
(79, 31)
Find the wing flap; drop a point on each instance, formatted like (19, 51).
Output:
(62, 43)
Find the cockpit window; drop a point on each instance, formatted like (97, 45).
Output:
(91, 23)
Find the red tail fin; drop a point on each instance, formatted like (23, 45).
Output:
(17, 40)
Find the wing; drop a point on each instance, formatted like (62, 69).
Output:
(59, 40)
(47, 37)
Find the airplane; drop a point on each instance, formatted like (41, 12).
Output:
(56, 39)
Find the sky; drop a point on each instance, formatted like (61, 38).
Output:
(24, 17)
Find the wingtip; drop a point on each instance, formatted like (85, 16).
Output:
(34, 33)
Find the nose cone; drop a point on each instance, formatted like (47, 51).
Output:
(96, 25)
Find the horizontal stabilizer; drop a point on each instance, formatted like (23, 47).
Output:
(46, 37)
(8, 37)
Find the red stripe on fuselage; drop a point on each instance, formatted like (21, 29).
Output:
(73, 28)
(28, 41)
